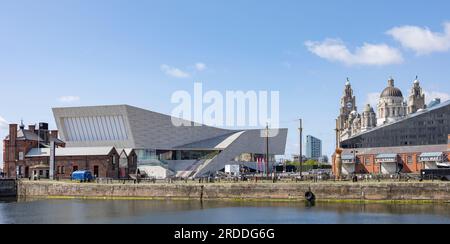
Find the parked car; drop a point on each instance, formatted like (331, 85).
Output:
(435, 174)
(82, 176)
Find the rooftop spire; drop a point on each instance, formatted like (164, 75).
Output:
(22, 126)
(348, 82)
(417, 80)
(391, 82)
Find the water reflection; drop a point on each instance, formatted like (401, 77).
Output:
(218, 212)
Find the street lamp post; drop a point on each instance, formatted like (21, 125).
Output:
(354, 158)
(267, 150)
(300, 158)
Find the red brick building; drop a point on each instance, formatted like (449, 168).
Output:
(26, 154)
(390, 160)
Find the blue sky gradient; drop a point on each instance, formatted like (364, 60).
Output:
(111, 51)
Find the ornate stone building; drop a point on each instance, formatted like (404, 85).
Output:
(416, 99)
(369, 119)
(348, 111)
(391, 107)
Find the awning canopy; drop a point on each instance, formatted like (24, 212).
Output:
(40, 166)
(387, 155)
(432, 157)
(348, 159)
(387, 158)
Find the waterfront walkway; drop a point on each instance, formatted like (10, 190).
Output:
(261, 191)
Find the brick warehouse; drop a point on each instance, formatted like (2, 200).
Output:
(390, 160)
(26, 154)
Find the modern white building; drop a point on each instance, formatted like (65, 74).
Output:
(162, 148)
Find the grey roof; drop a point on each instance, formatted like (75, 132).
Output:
(387, 155)
(127, 151)
(72, 151)
(28, 135)
(23, 134)
(399, 150)
(418, 113)
(432, 154)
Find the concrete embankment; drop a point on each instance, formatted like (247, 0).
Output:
(425, 192)
(8, 188)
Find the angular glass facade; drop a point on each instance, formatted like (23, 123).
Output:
(95, 128)
(160, 157)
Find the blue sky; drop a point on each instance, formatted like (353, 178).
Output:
(76, 52)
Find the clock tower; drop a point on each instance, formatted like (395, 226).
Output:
(348, 105)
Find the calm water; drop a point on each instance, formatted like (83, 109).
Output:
(193, 212)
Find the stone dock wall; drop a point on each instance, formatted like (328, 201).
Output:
(8, 188)
(435, 192)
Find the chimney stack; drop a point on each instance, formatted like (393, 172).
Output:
(32, 128)
(12, 134)
(44, 133)
(10, 152)
(54, 134)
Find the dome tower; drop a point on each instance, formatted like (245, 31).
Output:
(391, 106)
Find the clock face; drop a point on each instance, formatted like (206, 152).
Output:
(349, 105)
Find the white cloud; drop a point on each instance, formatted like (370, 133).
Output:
(200, 66)
(422, 40)
(174, 72)
(369, 54)
(69, 99)
(429, 96)
(372, 99)
(3, 124)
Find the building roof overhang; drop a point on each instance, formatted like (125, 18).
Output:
(70, 152)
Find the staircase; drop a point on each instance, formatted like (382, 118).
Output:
(188, 172)
(202, 166)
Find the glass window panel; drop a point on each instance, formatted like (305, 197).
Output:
(93, 130)
(89, 128)
(107, 128)
(80, 129)
(72, 129)
(68, 132)
(85, 128)
(113, 127)
(124, 129)
(77, 134)
(97, 129)
(118, 128)
(101, 128)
